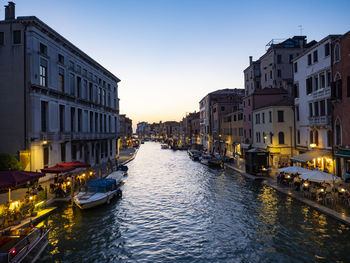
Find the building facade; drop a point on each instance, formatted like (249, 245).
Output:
(252, 77)
(57, 103)
(341, 100)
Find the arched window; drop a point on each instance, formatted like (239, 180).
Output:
(311, 137)
(280, 138)
(336, 53)
(316, 137)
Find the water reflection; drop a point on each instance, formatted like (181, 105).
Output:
(177, 210)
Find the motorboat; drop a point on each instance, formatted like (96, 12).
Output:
(194, 155)
(204, 159)
(23, 244)
(164, 146)
(117, 175)
(97, 192)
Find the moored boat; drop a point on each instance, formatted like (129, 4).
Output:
(97, 192)
(204, 159)
(23, 244)
(164, 146)
(194, 155)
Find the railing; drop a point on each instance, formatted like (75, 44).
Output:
(319, 120)
(322, 93)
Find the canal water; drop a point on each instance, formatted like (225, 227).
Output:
(177, 210)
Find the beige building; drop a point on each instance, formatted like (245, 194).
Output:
(274, 131)
(232, 133)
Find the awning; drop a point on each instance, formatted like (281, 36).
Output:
(75, 164)
(319, 177)
(343, 153)
(12, 178)
(57, 169)
(308, 156)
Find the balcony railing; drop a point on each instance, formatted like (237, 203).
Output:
(320, 120)
(322, 93)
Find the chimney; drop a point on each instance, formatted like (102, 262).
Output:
(10, 11)
(250, 60)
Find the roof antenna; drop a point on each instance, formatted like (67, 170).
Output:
(301, 29)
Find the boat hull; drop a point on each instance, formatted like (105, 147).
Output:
(94, 201)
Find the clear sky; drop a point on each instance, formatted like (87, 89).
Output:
(170, 53)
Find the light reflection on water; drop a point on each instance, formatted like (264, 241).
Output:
(176, 210)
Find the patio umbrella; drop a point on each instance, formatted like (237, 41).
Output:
(12, 178)
(57, 169)
(319, 177)
(294, 169)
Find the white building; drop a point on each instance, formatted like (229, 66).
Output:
(57, 103)
(312, 88)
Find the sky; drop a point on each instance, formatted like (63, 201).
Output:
(170, 53)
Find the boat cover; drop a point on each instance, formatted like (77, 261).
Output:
(106, 182)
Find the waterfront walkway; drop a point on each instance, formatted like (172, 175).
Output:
(339, 212)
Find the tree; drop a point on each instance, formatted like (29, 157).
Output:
(9, 162)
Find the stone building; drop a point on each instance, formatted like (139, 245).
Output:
(341, 100)
(57, 104)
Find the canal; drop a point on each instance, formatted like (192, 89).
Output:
(177, 210)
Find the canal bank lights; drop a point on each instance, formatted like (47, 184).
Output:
(313, 145)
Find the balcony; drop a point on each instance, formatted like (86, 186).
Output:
(320, 120)
(322, 93)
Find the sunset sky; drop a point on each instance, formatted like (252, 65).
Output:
(171, 53)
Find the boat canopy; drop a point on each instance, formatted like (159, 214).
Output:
(102, 182)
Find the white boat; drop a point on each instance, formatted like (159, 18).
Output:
(164, 146)
(117, 175)
(23, 244)
(97, 192)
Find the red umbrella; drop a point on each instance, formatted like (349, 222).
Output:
(57, 169)
(75, 164)
(11, 178)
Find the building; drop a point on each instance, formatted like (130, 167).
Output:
(341, 100)
(210, 115)
(274, 131)
(254, 101)
(57, 103)
(252, 77)
(143, 129)
(232, 133)
(190, 128)
(125, 130)
(313, 111)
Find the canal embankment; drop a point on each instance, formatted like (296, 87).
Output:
(269, 181)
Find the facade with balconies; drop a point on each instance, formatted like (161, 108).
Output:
(312, 92)
(57, 103)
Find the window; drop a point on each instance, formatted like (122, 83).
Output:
(338, 89)
(296, 91)
(348, 86)
(322, 108)
(72, 84)
(63, 152)
(71, 65)
(329, 138)
(72, 119)
(316, 110)
(249, 117)
(279, 74)
(43, 72)
(46, 156)
(290, 58)
(271, 137)
(308, 85)
(74, 151)
(248, 102)
(315, 56)
(337, 134)
(61, 116)
(250, 133)
(96, 122)
(16, 37)
(80, 123)
(280, 138)
(43, 49)
(61, 79)
(316, 137)
(298, 137)
(329, 78)
(222, 108)
(90, 91)
(309, 59)
(264, 136)
(297, 112)
(280, 116)
(323, 81)
(265, 77)
(2, 39)
(44, 113)
(263, 117)
(310, 110)
(311, 137)
(279, 59)
(336, 53)
(60, 59)
(326, 50)
(316, 82)
(270, 116)
(257, 118)
(270, 74)
(295, 67)
(78, 87)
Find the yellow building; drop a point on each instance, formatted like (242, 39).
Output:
(273, 130)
